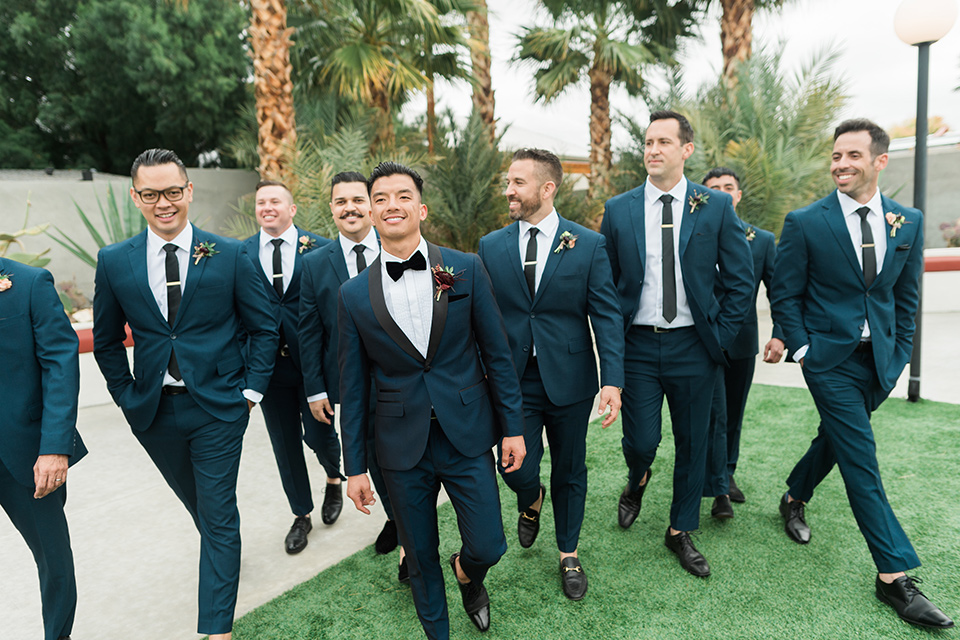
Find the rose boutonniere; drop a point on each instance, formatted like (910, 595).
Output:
(5, 281)
(895, 220)
(306, 244)
(567, 241)
(751, 234)
(204, 250)
(698, 198)
(445, 278)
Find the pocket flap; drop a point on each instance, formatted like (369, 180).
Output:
(475, 392)
(580, 344)
(388, 395)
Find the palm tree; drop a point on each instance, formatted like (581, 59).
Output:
(483, 99)
(736, 32)
(606, 42)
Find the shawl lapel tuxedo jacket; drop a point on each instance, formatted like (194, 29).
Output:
(576, 284)
(286, 308)
(821, 299)
(711, 238)
(220, 290)
(467, 340)
(40, 353)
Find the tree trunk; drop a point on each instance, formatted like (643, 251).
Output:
(273, 88)
(736, 36)
(431, 117)
(385, 138)
(601, 157)
(483, 99)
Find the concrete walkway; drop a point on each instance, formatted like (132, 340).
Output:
(136, 548)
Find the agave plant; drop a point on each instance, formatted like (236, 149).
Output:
(9, 239)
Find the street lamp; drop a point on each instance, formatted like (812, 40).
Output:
(920, 23)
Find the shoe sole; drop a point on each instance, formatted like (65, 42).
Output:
(915, 623)
(722, 516)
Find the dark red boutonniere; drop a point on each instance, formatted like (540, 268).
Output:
(306, 244)
(567, 241)
(895, 220)
(204, 250)
(698, 198)
(445, 278)
(5, 281)
(751, 234)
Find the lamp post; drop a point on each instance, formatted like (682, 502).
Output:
(920, 23)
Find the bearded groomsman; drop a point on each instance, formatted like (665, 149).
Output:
(549, 300)
(38, 435)
(434, 341)
(733, 382)
(281, 248)
(666, 240)
(185, 294)
(846, 290)
(324, 271)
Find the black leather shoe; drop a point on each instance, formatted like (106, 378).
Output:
(629, 506)
(332, 503)
(476, 602)
(387, 540)
(793, 521)
(528, 524)
(403, 573)
(722, 508)
(735, 494)
(573, 578)
(690, 559)
(296, 540)
(911, 605)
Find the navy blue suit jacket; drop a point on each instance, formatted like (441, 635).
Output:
(221, 291)
(39, 350)
(576, 285)
(710, 237)
(467, 338)
(286, 308)
(763, 248)
(820, 297)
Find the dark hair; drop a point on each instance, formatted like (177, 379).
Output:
(719, 172)
(270, 183)
(549, 167)
(386, 169)
(346, 176)
(156, 157)
(879, 140)
(686, 131)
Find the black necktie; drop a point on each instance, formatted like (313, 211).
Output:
(361, 261)
(173, 299)
(277, 266)
(416, 262)
(669, 272)
(867, 247)
(530, 262)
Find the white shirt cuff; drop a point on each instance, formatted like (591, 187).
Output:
(800, 353)
(318, 396)
(253, 396)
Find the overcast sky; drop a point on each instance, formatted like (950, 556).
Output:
(880, 70)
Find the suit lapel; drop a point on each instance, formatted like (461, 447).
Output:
(639, 227)
(439, 306)
(253, 250)
(553, 258)
(379, 304)
(194, 273)
(338, 263)
(297, 257)
(138, 267)
(888, 206)
(833, 216)
(511, 248)
(688, 219)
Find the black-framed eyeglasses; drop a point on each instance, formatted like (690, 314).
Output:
(151, 196)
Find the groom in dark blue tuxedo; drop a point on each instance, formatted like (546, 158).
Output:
(685, 279)
(38, 435)
(185, 293)
(278, 251)
(424, 321)
(846, 289)
(550, 299)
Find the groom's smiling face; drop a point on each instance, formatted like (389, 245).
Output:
(397, 208)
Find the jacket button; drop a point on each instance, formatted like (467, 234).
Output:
(860, 327)
(525, 349)
(426, 368)
(533, 315)
(173, 336)
(868, 294)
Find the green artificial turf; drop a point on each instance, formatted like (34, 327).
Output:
(762, 586)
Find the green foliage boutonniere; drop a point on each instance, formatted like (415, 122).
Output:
(204, 250)
(567, 241)
(698, 198)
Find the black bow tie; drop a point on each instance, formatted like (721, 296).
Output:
(416, 262)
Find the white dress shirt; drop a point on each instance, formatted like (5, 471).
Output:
(651, 295)
(546, 233)
(288, 254)
(157, 274)
(371, 249)
(410, 299)
(878, 226)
